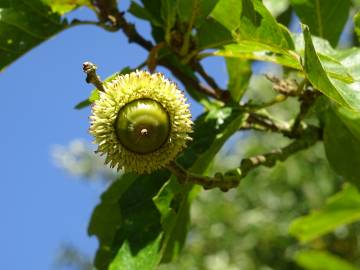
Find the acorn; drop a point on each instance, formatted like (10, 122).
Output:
(141, 122)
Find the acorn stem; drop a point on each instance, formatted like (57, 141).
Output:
(91, 76)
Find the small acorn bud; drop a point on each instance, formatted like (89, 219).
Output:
(141, 122)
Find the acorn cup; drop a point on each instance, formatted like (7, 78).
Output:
(141, 122)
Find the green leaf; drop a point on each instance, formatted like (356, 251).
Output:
(343, 93)
(250, 21)
(64, 6)
(321, 260)
(212, 34)
(168, 14)
(262, 52)
(325, 18)
(95, 94)
(342, 143)
(341, 209)
(257, 24)
(357, 24)
(212, 131)
(195, 10)
(258, 35)
(239, 72)
(276, 7)
(24, 25)
(127, 223)
(339, 64)
(143, 13)
(227, 13)
(173, 200)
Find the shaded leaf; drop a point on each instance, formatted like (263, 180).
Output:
(321, 260)
(341, 209)
(24, 25)
(168, 15)
(127, 223)
(143, 13)
(239, 72)
(325, 18)
(212, 34)
(343, 93)
(342, 143)
(195, 10)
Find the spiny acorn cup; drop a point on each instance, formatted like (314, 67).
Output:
(141, 122)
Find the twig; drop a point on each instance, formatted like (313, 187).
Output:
(232, 178)
(269, 124)
(91, 76)
(223, 182)
(153, 56)
(307, 100)
(309, 137)
(209, 80)
(254, 107)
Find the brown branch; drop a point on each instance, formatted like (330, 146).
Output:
(268, 124)
(307, 100)
(91, 76)
(209, 80)
(223, 182)
(309, 137)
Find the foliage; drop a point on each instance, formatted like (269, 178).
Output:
(143, 220)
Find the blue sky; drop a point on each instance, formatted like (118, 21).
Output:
(42, 206)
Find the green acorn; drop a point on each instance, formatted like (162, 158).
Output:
(141, 122)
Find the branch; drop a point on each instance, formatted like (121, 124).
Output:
(310, 136)
(232, 178)
(223, 182)
(266, 123)
(307, 100)
(209, 80)
(91, 76)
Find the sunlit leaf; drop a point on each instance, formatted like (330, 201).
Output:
(64, 6)
(258, 51)
(341, 92)
(340, 209)
(316, 260)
